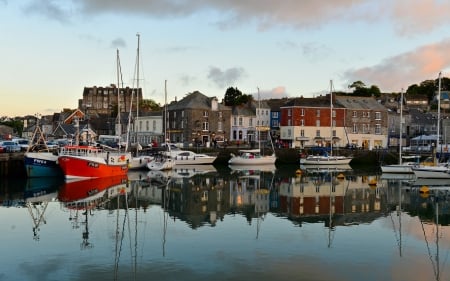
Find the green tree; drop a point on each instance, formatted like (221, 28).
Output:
(149, 105)
(232, 96)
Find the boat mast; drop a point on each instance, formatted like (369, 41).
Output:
(439, 113)
(331, 117)
(137, 74)
(118, 127)
(258, 121)
(401, 128)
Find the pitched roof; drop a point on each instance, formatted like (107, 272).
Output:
(195, 100)
(351, 102)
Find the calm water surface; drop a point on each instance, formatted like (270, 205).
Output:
(217, 223)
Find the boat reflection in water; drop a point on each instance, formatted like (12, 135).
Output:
(37, 194)
(82, 197)
(337, 222)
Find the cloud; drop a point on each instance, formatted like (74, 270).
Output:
(50, 9)
(403, 70)
(409, 17)
(118, 43)
(225, 78)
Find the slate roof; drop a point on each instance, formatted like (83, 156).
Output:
(195, 100)
(321, 101)
(351, 102)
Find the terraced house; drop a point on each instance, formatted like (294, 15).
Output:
(343, 120)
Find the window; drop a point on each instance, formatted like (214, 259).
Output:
(302, 122)
(250, 122)
(317, 133)
(377, 115)
(334, 133)
(302, 133)
(174, 114)
(289, 112)
(318, 123)
(378, 129)
(355, 114)
(267, 112)
(334, 114)
(205, 126)
(289, 122)
(275, 114)
(355, 128)
(235, 121)
(302, 112)
(368, 113)
(220, 126)
(289, 132)
(154, 125)
(318, 113)
(333, 123)
(205, 113)
(364, 114)
(240, 121)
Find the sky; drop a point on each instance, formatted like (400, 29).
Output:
(52, 49)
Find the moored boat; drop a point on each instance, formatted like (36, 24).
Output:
(84, 162)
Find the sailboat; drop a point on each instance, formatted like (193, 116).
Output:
(254, 156)
(86, 161)
(327, 159)
(401, 167)
(436, 171)
(163, 161)
(137, 161)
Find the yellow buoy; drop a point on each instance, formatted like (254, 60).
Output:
(298, 172)
(424, 189)
(340, 176)
(373, 182)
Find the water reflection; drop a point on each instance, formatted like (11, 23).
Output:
(350, 218)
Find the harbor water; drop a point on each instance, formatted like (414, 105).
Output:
(218, 223)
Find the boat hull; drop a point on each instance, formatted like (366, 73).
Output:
(321, 160)
(397, 169)
(74, 167)
(194, 161)
(259, 160)
(432, 173)
(42, 164)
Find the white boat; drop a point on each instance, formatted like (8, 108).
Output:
(251, 157)
(325, 158)
(402, 167)
(163, 161)
(139, 162)
(187, 157)
(432, 172)
(254, 156)
(436, 171)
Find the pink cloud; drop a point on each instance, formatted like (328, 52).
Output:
(406, 69)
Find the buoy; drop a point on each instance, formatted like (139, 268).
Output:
(341, 176)
(424, 189)
(298, 172)
(373, 182)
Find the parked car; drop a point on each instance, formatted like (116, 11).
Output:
(52, 144)
(10, 146)
(23, 143)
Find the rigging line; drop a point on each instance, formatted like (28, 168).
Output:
(128, 226)
(428, 247)
(116, 258)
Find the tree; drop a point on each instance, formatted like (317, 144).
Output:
(232, 96)
(149, 105)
